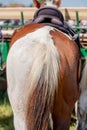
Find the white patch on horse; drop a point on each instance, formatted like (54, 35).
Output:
(50, 3)
(19, 124)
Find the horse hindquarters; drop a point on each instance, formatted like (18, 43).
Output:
(32, 82)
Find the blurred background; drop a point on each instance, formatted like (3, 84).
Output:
(16, 13)
(65, 3)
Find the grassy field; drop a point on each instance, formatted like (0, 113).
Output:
(6, 115)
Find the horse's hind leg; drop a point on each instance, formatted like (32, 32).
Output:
(19, 107)
(17, 93)
(18, 123)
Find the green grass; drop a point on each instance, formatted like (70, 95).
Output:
(6, 118)
(72, 128)
(6, 115)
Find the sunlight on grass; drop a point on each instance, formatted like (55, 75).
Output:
(72, 128)
(6, 118)
(5, 110)
(6, 115)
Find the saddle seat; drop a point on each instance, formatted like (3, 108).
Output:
(53, 17)
(48, 15)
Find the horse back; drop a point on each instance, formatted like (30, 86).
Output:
(19, 33)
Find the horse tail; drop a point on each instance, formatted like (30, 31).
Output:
(83, 82)
(42, 84)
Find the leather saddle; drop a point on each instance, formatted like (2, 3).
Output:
(53, 17)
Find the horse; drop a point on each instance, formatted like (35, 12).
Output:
(81, 105)
(43, 73)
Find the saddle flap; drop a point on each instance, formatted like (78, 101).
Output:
(48, 19)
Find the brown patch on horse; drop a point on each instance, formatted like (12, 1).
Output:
(58, 3)
(36, 3)
(68, 81)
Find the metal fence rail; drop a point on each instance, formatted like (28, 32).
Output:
(14, 13)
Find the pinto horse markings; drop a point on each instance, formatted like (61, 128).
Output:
(42, 75)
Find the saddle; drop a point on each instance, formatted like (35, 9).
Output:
(53, 17)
